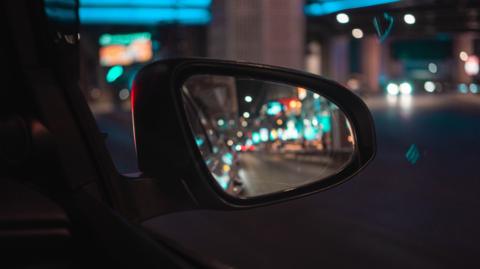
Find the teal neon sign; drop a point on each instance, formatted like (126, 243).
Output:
(321, 8)
(144, 12)
(114, 73)
(123, 39)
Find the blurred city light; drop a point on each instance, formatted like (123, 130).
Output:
(255, 137)
(114, 73)
(406, 88)
(324, 7)
(163, 3)
(473, 88)
(471, 65)
(432, 67)
(357, 33)
(463, 88)
(342, 18)
(409, 19)
(226, 169)
(264, 134)
(248, 99)
(220, 122)
(325, 121)
(246, 115)
(122, 39)
(353, 84)
(273, 108)
(143, 15)
(429, 86)
(146, 12)
(463, 56)
(294, 104)
(392, 89)
(273, 134)
(291, 132)
(302, 93)
(123, 94)
(199, 141)
(125, 49)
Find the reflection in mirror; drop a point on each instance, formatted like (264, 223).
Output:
(260, 137)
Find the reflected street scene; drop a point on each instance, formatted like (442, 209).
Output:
(260, 137)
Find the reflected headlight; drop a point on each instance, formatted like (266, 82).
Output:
(392, 89)
(406, 88)
(429, 86)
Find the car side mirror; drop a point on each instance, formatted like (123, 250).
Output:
(238, 135)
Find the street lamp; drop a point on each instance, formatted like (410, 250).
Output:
(409, 19)
(342, 18)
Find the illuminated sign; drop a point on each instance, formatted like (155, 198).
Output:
(122, 39)
(114, 73)
(471, 65)
(144, 12)
(325, 7)
(125, 49)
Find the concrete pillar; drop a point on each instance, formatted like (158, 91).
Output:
(263, 31)
(338, 59)
(283, 33)
(371, 59)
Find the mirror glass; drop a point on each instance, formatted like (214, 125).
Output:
(260, 137)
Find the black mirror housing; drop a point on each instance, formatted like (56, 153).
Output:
(166, 148)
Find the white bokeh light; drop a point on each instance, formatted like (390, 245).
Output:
(357, 33)
(432, 67)
(409, 19)
(463, 56)
(406, 88)
(342, 18)
(429, 86)
(392, 89)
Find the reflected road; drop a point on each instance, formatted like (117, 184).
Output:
(268, 173)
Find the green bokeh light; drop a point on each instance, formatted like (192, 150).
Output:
(114, 73)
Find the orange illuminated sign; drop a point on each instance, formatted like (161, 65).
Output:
(139, 50)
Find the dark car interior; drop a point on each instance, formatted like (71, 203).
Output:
(54, 212)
